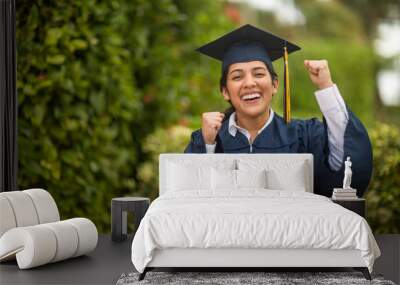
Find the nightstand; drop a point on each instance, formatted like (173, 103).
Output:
(119, 208)
(356, 205)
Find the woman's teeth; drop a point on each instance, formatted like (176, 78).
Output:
(252, 96)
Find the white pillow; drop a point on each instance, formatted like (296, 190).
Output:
(251, 178)
(228, 179)
(223, 179)
(182, 177)
(293, 178)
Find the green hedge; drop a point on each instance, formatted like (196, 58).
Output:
(383, 196)
(77, 105)
(94, 79)
(164, 140)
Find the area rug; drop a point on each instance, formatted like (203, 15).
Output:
(229, 278)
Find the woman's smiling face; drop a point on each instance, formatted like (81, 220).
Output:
(249, 87)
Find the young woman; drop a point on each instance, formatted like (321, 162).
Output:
(249, 83)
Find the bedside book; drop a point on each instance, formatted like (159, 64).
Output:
(344, 198)
(345, 194)
(341, 190)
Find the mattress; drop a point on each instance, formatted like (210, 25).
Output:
(251, 219)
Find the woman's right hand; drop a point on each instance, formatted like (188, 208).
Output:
(211, 122)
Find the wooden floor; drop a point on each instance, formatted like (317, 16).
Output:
(102, 266)
(389, 262)
(111, 259)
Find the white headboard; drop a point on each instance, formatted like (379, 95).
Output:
(214, 158)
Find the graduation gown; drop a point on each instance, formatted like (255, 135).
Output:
(302, 136)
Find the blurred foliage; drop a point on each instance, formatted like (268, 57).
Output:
(330, 20)
(353, 62)
(164, 140)
(94, 78)
(360, 22)
(383, 196)
(371, 12)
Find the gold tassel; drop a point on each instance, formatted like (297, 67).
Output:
(286, 95)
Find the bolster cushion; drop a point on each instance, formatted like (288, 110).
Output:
(40, 244)
(26, 208)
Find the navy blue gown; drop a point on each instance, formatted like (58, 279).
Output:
(302, 136)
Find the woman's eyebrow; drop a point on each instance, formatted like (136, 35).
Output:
(241, 70)
(236, 70)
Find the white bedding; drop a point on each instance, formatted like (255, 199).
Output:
(251, 218)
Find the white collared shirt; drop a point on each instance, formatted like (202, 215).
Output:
(334, 110)
(233, 127)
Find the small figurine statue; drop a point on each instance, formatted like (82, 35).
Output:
(347, 174)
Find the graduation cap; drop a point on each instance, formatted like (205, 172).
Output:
(249, 43)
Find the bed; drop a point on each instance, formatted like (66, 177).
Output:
(247, 210)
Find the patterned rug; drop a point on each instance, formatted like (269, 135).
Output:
(229, 278)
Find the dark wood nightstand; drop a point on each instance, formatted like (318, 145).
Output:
(356, 205)
(119, 208)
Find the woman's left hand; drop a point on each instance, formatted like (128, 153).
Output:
(319, 73)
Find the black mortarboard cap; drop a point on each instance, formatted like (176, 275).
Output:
(249, 43)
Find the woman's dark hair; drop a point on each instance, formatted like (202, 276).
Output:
(222, 85)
